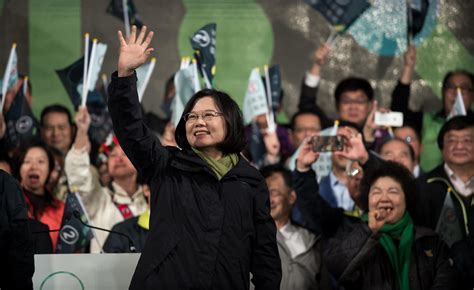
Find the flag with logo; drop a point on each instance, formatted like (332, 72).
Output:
(115, 8)
(255, 100)
(417, 12)
(458, 107)
(21, 124)
(203, 42)
(186, 86)
(74, 237)
(341, 14)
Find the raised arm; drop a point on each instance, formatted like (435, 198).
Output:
(141, 146)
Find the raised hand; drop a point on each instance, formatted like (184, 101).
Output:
(377, 219)
(306, 157)
(354, 148)
(272, 145)
(409, 61)
(3, 127)
(83, 119)
(133, 52)
(321, 54)
(369, 126)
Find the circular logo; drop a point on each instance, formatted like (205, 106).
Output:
(202, 38)
(450, 215)
(69, 235)
(24, 124)
(62, 278)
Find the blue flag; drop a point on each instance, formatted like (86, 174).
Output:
(340, 13)
(275, 86)
(74, 237)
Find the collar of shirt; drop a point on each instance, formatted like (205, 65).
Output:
(120, 196)
(464, 189)
(341, 193)
(298, 240)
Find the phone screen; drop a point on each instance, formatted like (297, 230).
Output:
(327, 143)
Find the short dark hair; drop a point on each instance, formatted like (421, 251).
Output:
(388, 140)
(234, 141)
(55, 108)
(456, 123)
(304, 112)
(269, 170)
(397, 172)
(353, 84)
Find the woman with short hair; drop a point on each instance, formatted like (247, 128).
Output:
(210, 221)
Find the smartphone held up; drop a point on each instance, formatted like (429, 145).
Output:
(327, 143)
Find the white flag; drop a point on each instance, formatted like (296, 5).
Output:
(255, 101)
(186, 87)
(458, 107)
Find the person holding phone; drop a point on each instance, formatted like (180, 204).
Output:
(210, 223)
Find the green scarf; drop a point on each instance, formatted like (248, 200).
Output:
(399, 258)
(221, 166)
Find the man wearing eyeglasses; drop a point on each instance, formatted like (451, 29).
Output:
(447, 199)
(430, 124)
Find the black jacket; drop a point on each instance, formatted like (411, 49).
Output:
(356, 259)
(16, 246)
(116, 243)
(204, 233)
(433, 189)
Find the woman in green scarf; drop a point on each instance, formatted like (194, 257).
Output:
(385, 250)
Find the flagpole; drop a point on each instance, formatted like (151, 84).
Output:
(206, 79)
(89, 71)
(125, 18)
(6, 76)
(83, 208)
(105, 83)
(146, 80)
(86, 64)
(197, 85)
(25, 85)
(270, 119)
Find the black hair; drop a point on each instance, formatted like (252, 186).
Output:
(457, 72)
(353, 84)
(51, 163)
(234, 141)
(343, 123)
(400, 174)
(56, 108)
(269, 170)
(388, 140)
(305, 112)
(456, 123)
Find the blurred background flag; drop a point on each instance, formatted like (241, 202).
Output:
(11, 74)
(275, 85)
(255, 100)
(22, 125)
(186, 85)
(74, 237)
(115, 8)
(340, 13)
(204, 44)
(459, 109)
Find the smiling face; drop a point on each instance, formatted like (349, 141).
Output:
(282, 197)
(119, 165)
(458, 146)
(34, 170)
(205, 135)
(56, 131)
(386, 194)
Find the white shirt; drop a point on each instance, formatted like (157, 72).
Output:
(297, 239)
(311, 80)
(341, 193)
(464, 189)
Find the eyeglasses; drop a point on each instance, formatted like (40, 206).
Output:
(464, 89)
(353, 102)
(452, 142)
(410, 139)
(207, 115)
